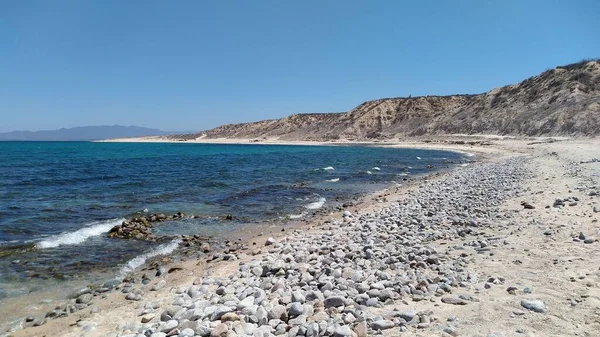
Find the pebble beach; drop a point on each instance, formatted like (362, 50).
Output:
(506, 246)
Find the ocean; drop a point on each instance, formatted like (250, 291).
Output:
(58, 200)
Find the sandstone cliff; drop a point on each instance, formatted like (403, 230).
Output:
(564, 101)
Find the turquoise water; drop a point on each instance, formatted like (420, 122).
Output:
(59, 199)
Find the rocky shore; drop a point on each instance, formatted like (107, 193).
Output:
(503, 248)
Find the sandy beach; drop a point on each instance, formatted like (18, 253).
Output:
(506, 246)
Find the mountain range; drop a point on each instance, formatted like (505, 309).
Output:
(83, 133)
(564, 101)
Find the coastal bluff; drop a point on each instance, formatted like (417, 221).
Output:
(564, 101)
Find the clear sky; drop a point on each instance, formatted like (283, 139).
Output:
(193, 65)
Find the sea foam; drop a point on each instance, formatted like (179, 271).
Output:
(317, 204)
(163, 249)
(328, 168)
(334, 180)
(296, 216)
(80, 235)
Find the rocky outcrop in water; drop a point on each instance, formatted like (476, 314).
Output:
(140, 228)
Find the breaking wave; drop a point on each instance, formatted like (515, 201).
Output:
(80, 235)
(163, 249)
(317, 204)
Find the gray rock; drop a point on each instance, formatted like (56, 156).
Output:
(334, 301)
(298, 296)
(219, 312)
(450, 330)
(312, 330)
(219, 330)
(202, 329)
(534, 305)
(80, 292)
(361, 329)
(112, 284)
(296, 309)
(148, 317)
(168, 326)
(193, 292)
(277, 312)
(133, 297)
(159, 285)
(407, 315)
(454, 301)
(230, 317)
(246, 302)
(262, 316)
(84, 298)
(301, 319)
(250, 310)
(342, 331)
(372, 302)
(382, 325)
(187, 333)
(314, 295)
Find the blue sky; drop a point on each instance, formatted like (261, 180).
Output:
(193, 65)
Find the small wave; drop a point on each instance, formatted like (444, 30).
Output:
(80, 235)
(402, 174)
(419, 158)
(463, 165)
(8, 243)
(317, 204)
(334, 180)
(376, 168)
(296, 216)
(329, 168)
(369, 172)
(163, 249)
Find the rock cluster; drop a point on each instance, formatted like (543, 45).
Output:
(347, 277)
(140, 228)
(561, 202)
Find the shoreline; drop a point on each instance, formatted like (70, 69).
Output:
(460, 143)
(247, 235)
(253, 235)
(112, 305)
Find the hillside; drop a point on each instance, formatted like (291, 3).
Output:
(564, 101)
(82, 133)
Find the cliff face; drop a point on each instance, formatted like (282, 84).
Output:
(564, 101)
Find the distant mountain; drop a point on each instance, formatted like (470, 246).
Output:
(84, 133)
(564, 101)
